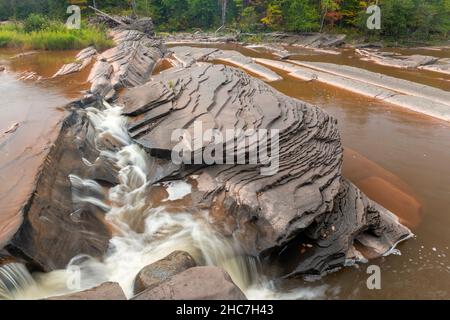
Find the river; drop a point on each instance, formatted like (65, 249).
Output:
(397, 157)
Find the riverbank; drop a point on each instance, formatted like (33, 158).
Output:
(305, 39)
(55, 37)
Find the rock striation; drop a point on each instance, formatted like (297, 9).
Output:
(307, 200)
(128, 64)
(186, 56)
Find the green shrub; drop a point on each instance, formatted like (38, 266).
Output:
(54, 37)
(35, 22)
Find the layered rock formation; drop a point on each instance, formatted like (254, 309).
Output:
(306, 200)
(55, 227)
(186, 56)
(128, 64)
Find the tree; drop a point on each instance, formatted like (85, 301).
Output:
(301, 15)
(274, 16)
(329, 9)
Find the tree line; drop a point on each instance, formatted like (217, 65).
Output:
(412, 18)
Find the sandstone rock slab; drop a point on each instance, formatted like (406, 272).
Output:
(198, 283)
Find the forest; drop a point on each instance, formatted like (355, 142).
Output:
(400, 18)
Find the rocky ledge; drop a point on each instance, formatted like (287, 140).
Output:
(306, 204)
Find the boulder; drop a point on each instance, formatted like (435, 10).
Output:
(198, 283)
(105, 291)
(161, 270)
(266, 211)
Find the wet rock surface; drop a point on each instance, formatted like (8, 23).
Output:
(266, 213)
(105, 291)
(55, 227)
(161, 270)
(198, 283)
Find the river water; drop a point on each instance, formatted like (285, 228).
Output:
(397, 157)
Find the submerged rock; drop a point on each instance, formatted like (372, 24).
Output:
(265, 213)
(105, 291)
(198, 283)
(163, 269)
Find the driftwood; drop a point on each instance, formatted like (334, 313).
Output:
(101, 13)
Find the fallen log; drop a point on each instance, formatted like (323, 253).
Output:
(101, 13)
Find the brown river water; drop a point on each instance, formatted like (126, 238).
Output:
(398, 158)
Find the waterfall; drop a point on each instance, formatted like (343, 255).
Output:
(14, 278)
(143, 233)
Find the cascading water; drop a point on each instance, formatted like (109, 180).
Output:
(144, 233)
(14, 279)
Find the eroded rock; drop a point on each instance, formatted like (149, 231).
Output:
(188, 55)
(163, 269)
(265, 213)
(128, 64)
(198, 283)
